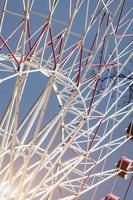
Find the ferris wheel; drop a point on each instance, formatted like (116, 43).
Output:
(66, 104)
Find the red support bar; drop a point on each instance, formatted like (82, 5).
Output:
(103, 45)
(87, 178)
(95, 134)
(35, 43)
(52, 44)
(100, 10)
(101, 58)
(80, 64)
(130, 131)
(29, 35)
(74, 47)
(101, 21)
(54, 40)
(91, 49)
(49, 43)
(60, 47)
(93, 96)
(83, 183)
(93, 43)
(10, 51)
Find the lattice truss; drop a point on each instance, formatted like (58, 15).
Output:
(65, 69)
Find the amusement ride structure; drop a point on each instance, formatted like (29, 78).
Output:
(66, 130)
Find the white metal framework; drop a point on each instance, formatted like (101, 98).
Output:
(63, 84)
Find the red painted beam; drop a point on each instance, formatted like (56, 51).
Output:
(29, 35)
(52, 45)
(10, 51)
(30, 53)
(80, 64)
